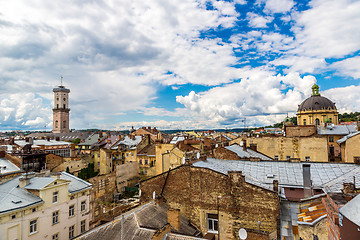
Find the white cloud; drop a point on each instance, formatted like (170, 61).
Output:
(258, 21)
(19, 111)
(328, 29)
(278, 6)
(300, 64)
(347, 99)
(348, 67)
(259, 93)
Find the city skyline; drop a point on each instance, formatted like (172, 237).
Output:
(175, 65)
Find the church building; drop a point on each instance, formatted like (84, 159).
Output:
(317, 110)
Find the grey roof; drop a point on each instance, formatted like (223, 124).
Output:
(138, 224)
(13, 197)
(76, 184)
(41, 142)
(177, 139)
(347, 137)
(351, 210)
(129, 142)
(336, 129)
(316, 102)
(90, 140)
(328, 176)
(38, 183)
(61, 89)
(246, 153)
(7, 167)
(63, 136)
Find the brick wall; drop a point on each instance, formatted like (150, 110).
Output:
(195, 192)
(223, 153)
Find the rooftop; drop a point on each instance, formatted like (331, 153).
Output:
(331, 129)
(329, 176)
(247, 153)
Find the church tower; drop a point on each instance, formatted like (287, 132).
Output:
(61, 110)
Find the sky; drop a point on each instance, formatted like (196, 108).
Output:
(179, 64)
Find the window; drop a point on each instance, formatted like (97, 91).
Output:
(64, 122)
(276, 157)
(140, 161)
(55, 236)
(307, 158)
(56, 124)
(13, 216)
(145, 171)
(71, 211)
(98, 163)
(127, 154)
(55, 217)
(33, 226)
(55, 197)
(132, 154)
(146, 161)
(212, 221)
(83, 206)
(71, 232)
(304, 122)
(34, 209)
(287, 158)
(83, 226)
(331, 139)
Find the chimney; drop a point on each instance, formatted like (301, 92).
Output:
(244, 145)
(24, 180)
(31, 141)
(149, 128)
(307, 181)
(48, 139)
(2, 154)
(26, 139)
(100, 135)
(57, 138)
(276, 186)
(253, 146)
(173, 218)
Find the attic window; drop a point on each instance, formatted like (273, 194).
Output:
(270, 175)
(55, 183)
(16, 202)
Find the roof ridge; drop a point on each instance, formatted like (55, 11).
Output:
(338, 179)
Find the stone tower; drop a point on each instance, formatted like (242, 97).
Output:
(61, 110)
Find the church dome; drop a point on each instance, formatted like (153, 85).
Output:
(316, 102)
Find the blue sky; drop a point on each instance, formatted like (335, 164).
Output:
(179, 64)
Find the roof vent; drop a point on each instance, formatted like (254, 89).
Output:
(270, 175)
(16, 202)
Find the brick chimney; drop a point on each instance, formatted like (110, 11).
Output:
(253, 146)
(173, 218)
(2, 154)
(276, 186)
(307, 181)
(244, 145)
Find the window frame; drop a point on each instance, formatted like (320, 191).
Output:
(72, 210)
(55, 195)
(83, 226)
(55, 236)
(33, 226)
(55, 216)
(71, 231)
(213, 221)
(83, 206)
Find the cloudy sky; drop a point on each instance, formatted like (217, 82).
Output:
(179, 64)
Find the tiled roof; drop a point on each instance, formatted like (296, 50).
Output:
(128, 142)
(148, 150)
(330, 176)
(140, 223)
(248, 153)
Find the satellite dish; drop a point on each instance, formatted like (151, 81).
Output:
(154, 195)
(183, 160)
(198, 155)
(242, 234)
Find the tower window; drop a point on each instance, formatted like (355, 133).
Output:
(57, 106)
(56, 124)
(64, 99)
(304, 121)
(64, 106)
(64, 124)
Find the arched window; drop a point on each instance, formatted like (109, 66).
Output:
(56, 124)
(317, 122)
(64, 124)
(64, 106)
